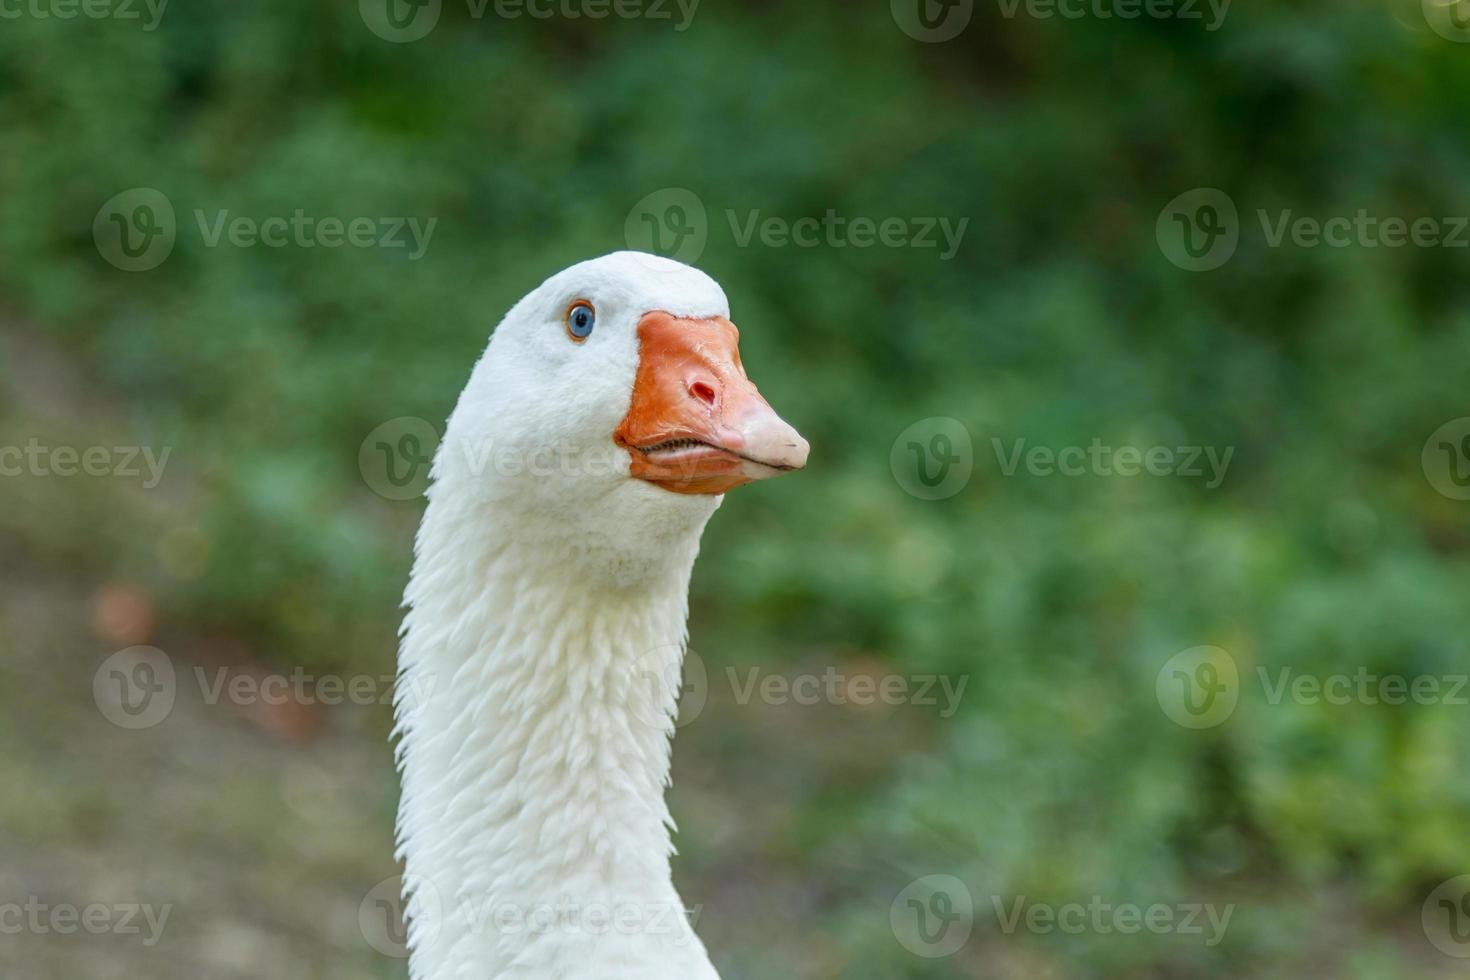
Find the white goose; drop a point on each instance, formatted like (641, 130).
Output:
(595, 438)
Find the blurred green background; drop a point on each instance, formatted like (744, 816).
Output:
(1060, 320)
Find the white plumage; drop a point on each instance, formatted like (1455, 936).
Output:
(543, 639)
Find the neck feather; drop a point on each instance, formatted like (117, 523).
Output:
(535, 712)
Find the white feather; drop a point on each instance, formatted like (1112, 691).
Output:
(540, 651)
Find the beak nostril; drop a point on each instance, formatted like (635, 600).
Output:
(703, 392)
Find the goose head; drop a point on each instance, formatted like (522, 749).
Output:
(612, 407)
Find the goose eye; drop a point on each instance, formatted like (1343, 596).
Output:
(580, 320)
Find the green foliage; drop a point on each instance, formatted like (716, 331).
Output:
(1059, 321)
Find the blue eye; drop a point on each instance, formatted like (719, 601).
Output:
(580, 320)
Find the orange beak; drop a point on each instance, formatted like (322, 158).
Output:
(696, 423)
